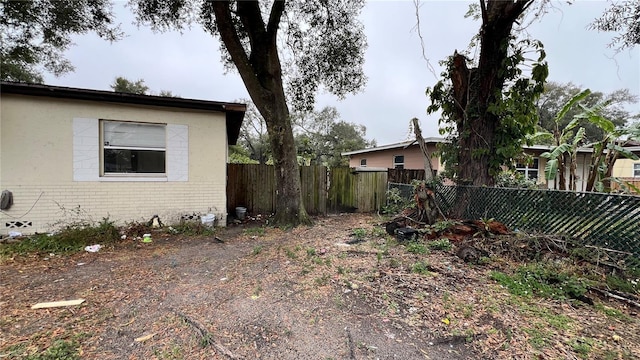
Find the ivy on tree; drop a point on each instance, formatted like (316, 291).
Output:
(488, 106)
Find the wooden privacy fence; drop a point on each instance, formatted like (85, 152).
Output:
(323, 190)
(634, 181)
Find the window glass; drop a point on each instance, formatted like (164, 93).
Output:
(133, 148)
(636, 170)
(398, 162)
(363, 162)
(529, 171)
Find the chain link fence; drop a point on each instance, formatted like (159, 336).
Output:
(606, 224)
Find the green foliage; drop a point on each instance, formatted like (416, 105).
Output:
(557, 95)
(123, 85)
(513, 179)
(441, 244)
(421, 267)
(254, 231)
(359, 233)
(582, 347)
(72, 238)
(513, 107)
(396, 202)
(321, 137)
(253, 141)
(257, 250)
(416, 247)
(443, 225)
(36, 33)
(541, 280)
(59, 350)
(239, 155)
(622, 18)
(193, 228)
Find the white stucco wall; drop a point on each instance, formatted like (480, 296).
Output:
(38, 149)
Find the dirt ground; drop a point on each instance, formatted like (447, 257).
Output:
(341, 289)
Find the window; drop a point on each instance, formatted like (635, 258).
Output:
(133, 148)
(636, 170)
(363, 162)
(529, 171)
(398, 162)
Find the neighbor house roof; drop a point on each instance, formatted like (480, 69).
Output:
(632, 146)
(234, 111)
(400, 145)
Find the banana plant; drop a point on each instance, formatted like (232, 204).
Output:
(557, 156)
(607, 150)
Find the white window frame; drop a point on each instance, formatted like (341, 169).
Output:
(526, 169)
(363, 162)
(635, 170)
(104, 146)
(397, 164)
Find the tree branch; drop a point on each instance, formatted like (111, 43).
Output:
(274, 19)
(232, 42)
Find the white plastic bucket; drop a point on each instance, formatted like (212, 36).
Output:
(241, 212)
(208, 220)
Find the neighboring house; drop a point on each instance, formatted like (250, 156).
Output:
(403, 155)
(627, 169)
(407, 155)
(70, 154)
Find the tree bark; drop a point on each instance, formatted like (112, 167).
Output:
(428, 168)
(261, 73)
(475, 90)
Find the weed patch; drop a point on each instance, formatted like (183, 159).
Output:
(417, 248)
(71, 238)
(541, 280)
(441, 245)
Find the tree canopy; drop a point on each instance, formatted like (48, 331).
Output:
(624, 18)
(315, 43)
(322, 136)
(121, 84)
(34, 34)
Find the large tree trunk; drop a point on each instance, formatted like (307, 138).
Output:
(475, 90)
(261, 73)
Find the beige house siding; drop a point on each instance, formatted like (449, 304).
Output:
(38, 150)
(384, 158)
(623, 168)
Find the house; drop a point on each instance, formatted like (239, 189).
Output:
(70, 154)
(402, 155)
(407, 155)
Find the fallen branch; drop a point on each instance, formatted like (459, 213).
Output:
(617, 297)
(206, 336)
(352, 354)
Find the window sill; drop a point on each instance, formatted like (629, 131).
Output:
(132, 179)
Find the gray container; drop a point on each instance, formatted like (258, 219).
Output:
(241, 212)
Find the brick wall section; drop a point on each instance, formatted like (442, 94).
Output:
(93, 202)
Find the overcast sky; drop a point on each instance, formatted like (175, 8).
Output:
(189, 64)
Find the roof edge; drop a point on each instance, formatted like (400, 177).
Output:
(117, 97)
